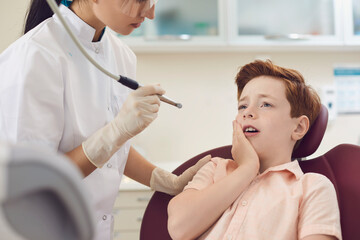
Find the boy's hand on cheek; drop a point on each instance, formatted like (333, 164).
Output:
(242, 151)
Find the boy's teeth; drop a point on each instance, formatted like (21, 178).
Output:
(250, 129)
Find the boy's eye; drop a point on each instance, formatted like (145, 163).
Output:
(242, 107)
(266, 105)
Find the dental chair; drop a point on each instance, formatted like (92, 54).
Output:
(341, 165)
(41, 196)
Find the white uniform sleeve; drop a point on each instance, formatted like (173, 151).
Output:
(33, 96)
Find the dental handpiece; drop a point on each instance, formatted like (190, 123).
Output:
(128, 82)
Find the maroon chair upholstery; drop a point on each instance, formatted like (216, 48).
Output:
(313, 138)
(341, 165)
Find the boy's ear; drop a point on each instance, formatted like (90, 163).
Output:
(302, 127)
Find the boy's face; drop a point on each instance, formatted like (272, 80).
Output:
(264, 114)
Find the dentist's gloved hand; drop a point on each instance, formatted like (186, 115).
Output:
(137, 112)
(164, 181)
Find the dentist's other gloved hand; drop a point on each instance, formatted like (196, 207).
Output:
(137, 112)
(164, 181)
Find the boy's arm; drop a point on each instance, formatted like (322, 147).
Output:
(192, 212)
(318, 211)
(319, 237)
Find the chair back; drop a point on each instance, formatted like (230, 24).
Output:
(313, 137)
(342, 166)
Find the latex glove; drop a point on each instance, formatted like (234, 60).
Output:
(137, 112)
(164, 181)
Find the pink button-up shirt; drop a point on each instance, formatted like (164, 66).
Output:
(281, 203)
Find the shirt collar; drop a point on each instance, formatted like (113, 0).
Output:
(292, 167)
(80, 28)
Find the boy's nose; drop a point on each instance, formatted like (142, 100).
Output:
(248, 113)
(244, 115)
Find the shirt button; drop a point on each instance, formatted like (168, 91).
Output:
(109, 165)
(104, 217)
(244, 203)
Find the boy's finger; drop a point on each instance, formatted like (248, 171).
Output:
(238, 132)
(235, 130)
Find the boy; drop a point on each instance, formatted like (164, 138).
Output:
(262, 194)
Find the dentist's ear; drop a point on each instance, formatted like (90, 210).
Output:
(302, 127)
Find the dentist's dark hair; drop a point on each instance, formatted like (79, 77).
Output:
(38, 11)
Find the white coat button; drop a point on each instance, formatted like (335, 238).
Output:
(109, 165)
(104, 217)
(97, 50)
(244, 203)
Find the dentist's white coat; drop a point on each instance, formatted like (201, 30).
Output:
(51, 95)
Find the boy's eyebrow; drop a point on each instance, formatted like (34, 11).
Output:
(242, 99)
(261, 95)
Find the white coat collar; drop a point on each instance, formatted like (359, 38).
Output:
(80, 28)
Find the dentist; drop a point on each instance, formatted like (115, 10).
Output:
(51, 95)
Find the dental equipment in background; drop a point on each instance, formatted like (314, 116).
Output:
(128, 82)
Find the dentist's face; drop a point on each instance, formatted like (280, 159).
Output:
(117, 15)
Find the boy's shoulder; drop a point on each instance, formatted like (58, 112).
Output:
(311, 176)
(220, 162)
(222, 167)
(315, 181)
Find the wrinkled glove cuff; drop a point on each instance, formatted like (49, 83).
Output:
(164, 181)
(100, 146)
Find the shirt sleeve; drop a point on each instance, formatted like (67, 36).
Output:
(35, 106)
(319, 210)
(211, 172)
(203, 178)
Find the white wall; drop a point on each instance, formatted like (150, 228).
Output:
(204, 84)
(12, 14)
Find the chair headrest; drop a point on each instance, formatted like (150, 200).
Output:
(310, 143)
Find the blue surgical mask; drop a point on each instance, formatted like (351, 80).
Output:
(66, 2)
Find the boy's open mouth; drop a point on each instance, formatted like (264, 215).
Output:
(250, 131)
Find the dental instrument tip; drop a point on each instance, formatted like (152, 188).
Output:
(178, 105)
